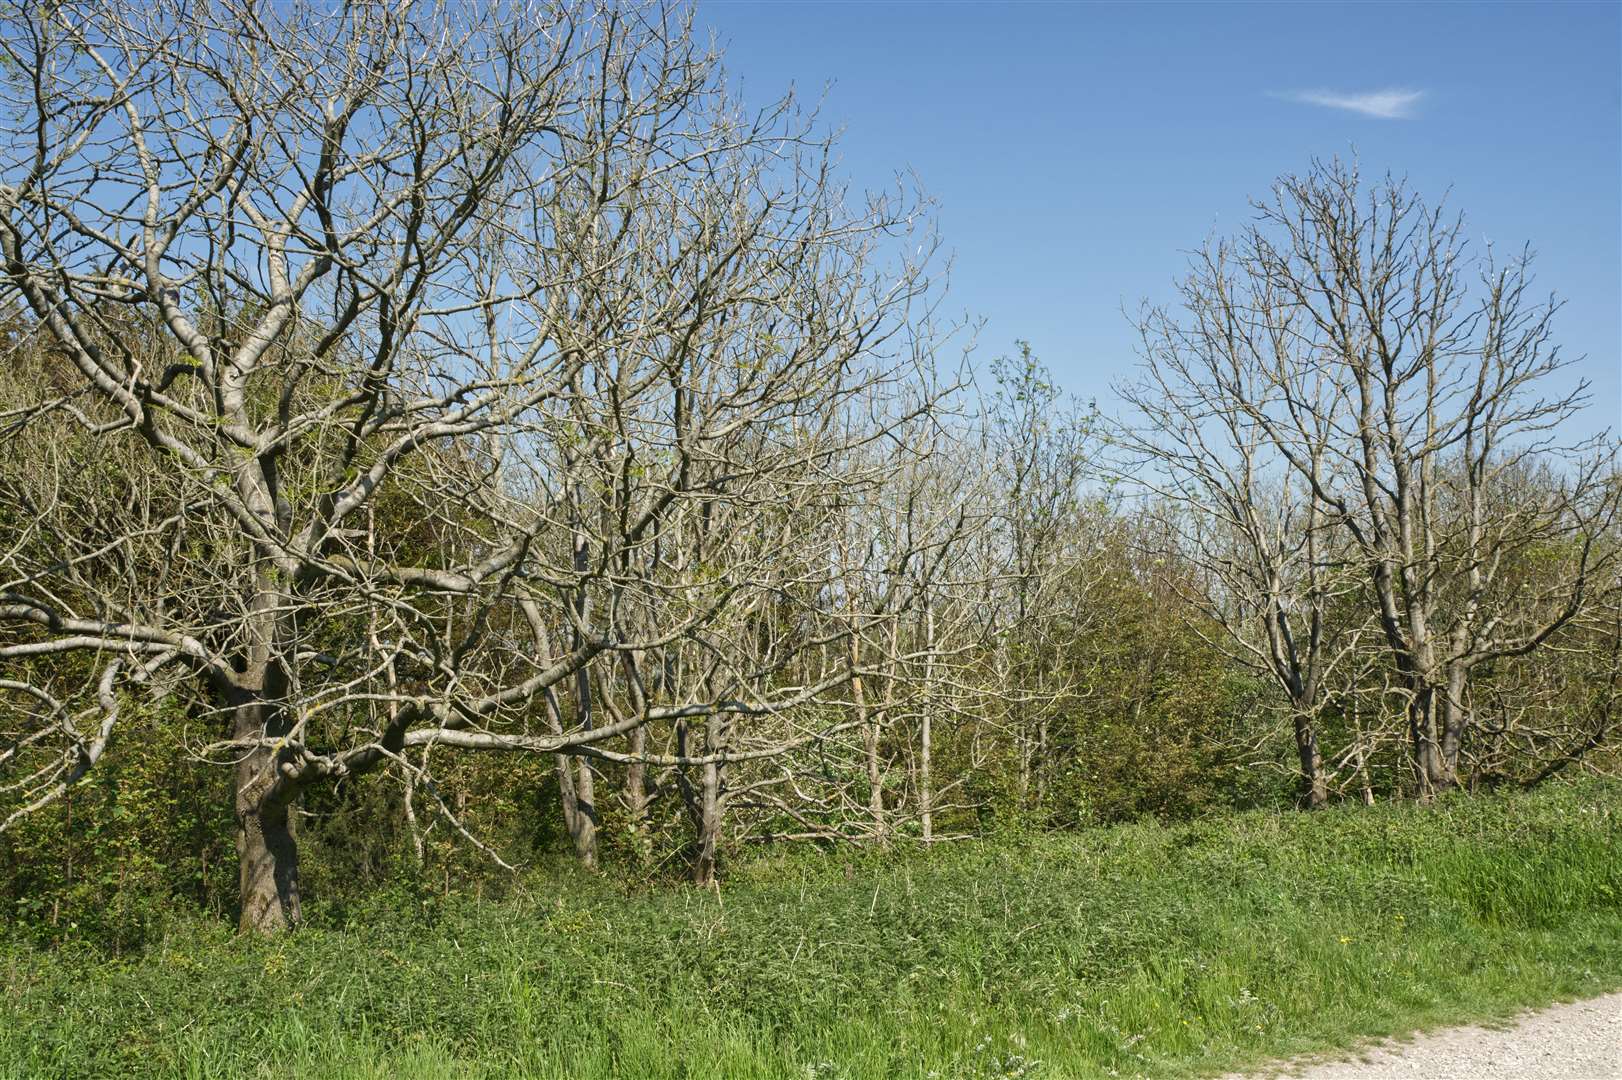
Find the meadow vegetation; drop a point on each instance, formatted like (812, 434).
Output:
(1143, 949)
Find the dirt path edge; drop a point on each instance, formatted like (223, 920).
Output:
(1577, 1040)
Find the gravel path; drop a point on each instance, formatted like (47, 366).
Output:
(1581, 1040)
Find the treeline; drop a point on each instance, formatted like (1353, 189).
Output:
(433, 440)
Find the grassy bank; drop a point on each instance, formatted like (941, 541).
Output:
(1126, 951)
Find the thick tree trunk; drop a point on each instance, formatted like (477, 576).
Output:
(1432, 768)
(567, 800)
(709, 827)
(1314, 785)
(1455, 719)
(267, 852)
(583, 829)
(1025, 758)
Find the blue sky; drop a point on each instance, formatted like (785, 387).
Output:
(1077, 151)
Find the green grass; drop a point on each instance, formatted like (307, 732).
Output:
(1138, 950)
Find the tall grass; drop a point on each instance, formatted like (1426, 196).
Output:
(1137, 950)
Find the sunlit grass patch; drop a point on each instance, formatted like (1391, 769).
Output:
(1138, 950)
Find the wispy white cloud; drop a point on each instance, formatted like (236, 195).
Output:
(1390, 104)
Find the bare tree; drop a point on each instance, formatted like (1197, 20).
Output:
(1408, 384)
(450, 359)
(1268, 565)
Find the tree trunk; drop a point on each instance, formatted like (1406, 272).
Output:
(566, 796)
(267, 853)
(1455, 720)
(1039, 766)
(869, 723)
(577, 810)
(636, 789)
(875, 785)
(1314, 785)
(926, 786)
(267, 856)
(926, 783)
(635, 792)
(584, 828)
(583, 822)
(1016, 721)
(711, 807)
(1432, 770)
